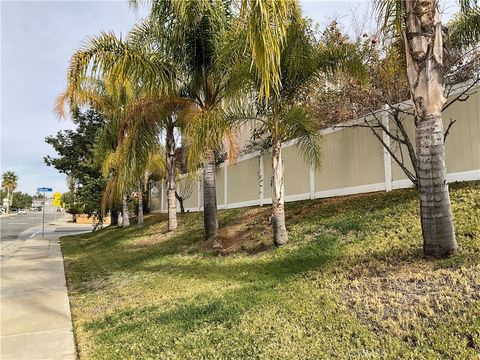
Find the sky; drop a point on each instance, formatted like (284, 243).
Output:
(37, 39)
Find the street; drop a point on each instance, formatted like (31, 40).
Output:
(14, 229)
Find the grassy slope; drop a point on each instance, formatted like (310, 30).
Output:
(350, 284)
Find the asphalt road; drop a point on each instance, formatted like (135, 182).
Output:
(15, 228)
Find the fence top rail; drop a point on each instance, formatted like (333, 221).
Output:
(404, 106)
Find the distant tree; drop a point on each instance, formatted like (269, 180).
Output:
(21, 200)
(9, 183)
(67, 198)
(3, 195)
(76, 159)
(37, 196)
(185, 190)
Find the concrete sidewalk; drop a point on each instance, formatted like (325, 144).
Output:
(35, 310)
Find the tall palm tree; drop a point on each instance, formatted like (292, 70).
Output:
(166, 115)
(282, 116)
(181, 37)
(187, 32)
(137, 115)
(9, 183)
(418, 23)
(109, 57)
(110, 96)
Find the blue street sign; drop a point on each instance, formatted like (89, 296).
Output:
(44, 189)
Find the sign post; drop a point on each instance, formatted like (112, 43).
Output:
(44, 190)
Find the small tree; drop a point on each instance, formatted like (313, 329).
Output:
(281, 116)
(185, 190)
(21, 200)
(75, 149)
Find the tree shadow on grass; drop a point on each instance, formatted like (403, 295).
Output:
(187, 316)
(285, 263)
(124, 250)
(257, 287)
(273, 267)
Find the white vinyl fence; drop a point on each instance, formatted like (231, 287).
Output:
(353, 161)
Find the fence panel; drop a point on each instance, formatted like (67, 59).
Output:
(353, 161)
(242, 183)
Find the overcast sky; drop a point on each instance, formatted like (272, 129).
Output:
(37, 40)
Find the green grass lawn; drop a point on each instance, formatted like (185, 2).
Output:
(351, 283)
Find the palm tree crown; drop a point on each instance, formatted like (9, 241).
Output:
(9, 180)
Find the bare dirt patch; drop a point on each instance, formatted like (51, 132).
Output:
(395, 298)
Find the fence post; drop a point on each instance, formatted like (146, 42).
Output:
(161, 196)
(225, 184)
(199, 182)
(312, 181)
(260, 178)
(387, 158)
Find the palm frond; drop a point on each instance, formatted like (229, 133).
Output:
(299, 123)
(267, 22)
(107, 55)
(390, 13)
(464, 29)
(205, 130)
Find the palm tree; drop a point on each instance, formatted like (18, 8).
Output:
(177, 47)
(9, 183)
(131, 165)
(108, 96)
(465, 27)
(166, 115)
(112, 61)
(112, 97)
(145, 121)
(283, 117)
(418, 23)
(188, 31)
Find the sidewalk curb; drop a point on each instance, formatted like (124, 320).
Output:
(36, 321)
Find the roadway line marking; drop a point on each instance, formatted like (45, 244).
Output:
(35, 233)
(17, 223)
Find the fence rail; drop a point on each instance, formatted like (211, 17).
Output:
(353, 162)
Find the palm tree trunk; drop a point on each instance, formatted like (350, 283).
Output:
(146, 203)
(8, 200)
(140, 219)
(424, 55)
(280, 235)
(436, 212)
(210, 219)
(125, 215)
(114, 217)
(171, 186)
